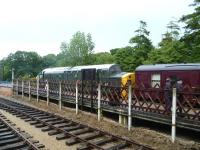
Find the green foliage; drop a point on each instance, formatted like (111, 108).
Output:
(24, 63)
(192, 32)
(131, 57)
(79, 50)
(103, 58)
(170, 49)
(49, 60)
(140, 41)
(126, 59)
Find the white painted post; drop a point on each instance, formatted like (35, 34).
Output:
(76, 97)
(47, 93)
(22, 89)
(120, 117)
(38, 89)
(60, 95)
(173, 131)
(129, 107)
(29, 89)
(13, 76)
(99, 102)
(17, 87)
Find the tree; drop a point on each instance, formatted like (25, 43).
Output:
(170, 49)
(24, 63)
(125, 57)
(103, 58)
(141, 41)
(49, 61)
(192, 32)
(79, 50)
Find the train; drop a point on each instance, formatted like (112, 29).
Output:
(146, 77)
(106, 73)
(154, 76)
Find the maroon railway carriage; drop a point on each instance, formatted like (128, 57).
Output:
(150, 82)
(154, 76)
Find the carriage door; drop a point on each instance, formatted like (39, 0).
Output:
(88, 86)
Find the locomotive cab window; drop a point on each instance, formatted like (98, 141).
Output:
(155, 80)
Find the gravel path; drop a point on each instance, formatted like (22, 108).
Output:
(50, 142)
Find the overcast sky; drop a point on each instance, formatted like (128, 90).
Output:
(41, 25)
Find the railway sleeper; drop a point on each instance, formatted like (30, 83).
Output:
(4, 129)
(34, 122)
(81, 131)
(38, 145)
(54, 132)
(102, 141)
(49, 120)
(74, 140)
(28, 119)
(83, 146)
(7, 137)
(57, 122)
(40, 125)
(61, 136)
(43, 117)
(9, 141)
(6, 133)
(71, 128)
(2, 126)
(118, 146)
(18, 145)
(67, 124)
(46, 128)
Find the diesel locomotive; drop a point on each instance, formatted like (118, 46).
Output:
(106, 73)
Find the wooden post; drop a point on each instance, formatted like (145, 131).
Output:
(17, 87)
(29, 89)
(38, 85)
(47, 85)
(60, 95)
(120, 117)
(129, 107)
(76, 97)
(99, 102)
(13, 80)
(173, 131)
(22, 89)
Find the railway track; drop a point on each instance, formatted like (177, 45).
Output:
(70, 131)
(13, 138)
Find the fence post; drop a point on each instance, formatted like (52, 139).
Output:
(13, 80)
(129, 106)
(17, 87)
(99, 101)
(60, 95)
(29, 89)
(22, 89)
(76, 97)
(38, 89)
(47, 84)
(173, 131)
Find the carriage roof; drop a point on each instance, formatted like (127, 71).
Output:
(78, 68)
(103, 67)
(157, 67)
(55, 70)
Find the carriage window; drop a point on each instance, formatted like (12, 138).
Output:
(155, 80)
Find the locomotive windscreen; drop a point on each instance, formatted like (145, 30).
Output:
(114, 70)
